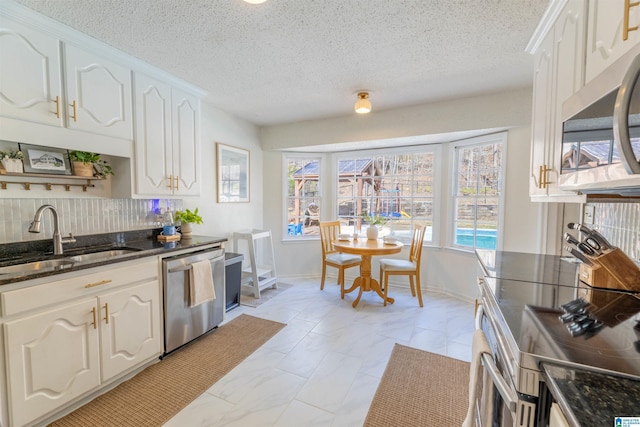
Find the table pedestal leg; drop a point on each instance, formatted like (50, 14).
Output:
(365, 282)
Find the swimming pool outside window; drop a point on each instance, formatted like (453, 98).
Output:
(478, 188)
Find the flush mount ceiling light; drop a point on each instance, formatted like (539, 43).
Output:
(363, 106)
(255, 1)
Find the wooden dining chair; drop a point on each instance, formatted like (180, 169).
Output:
(329, 231)
(410, 267)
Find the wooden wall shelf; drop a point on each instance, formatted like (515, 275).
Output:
(48, 185)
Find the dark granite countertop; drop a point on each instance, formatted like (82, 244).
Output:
(591, 398)
(143, 242)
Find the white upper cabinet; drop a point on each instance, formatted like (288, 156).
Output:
(98, 94)
(29, 75)
(612, 31)
(186, 163)
(558, 74)
(167, 139)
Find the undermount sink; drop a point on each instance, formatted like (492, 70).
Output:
(57, 264)
(62, 263)
(102, 255)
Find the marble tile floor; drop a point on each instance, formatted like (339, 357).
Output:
(324, 367)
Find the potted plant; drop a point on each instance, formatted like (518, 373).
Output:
(12, 160)
(186, 218)
(374, 222)
(86, 163)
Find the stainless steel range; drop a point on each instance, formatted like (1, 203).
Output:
(566, 323)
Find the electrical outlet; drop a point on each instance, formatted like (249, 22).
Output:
(589, 212)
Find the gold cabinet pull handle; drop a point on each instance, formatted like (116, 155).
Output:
(106, 313)
(546, 176)
(170, 182)
(74, 116)
(541, 182)
(543, 175)
(57, 101)
(628, 4)
(177, 181)
(102, 282)
(94, 323)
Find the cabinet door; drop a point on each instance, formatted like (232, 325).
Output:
(29, 74)
(605, 41)
(101, 91)
(541, 115)
(153, 144)
(186, 143)
(568, 54)
(130, 328)
(52, 358)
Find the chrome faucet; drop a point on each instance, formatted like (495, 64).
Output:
(57, 239)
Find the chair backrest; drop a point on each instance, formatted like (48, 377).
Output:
(416, 244)
(329, 231)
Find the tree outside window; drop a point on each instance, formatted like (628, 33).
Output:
(477, 192)
(399, 188)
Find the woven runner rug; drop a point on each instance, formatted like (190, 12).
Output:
(420, 389)
(159, 392)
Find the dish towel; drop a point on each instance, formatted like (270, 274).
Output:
(201, 283)
(478, 346)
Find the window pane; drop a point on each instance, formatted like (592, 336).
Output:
(395, 186)
(478, 187)
(302, 196)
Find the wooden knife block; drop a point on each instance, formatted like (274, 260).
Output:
(613, 270)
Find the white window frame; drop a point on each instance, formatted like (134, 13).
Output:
(285, 191)
(436, 149)
(502, 138)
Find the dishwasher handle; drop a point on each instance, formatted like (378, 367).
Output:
(181, 268)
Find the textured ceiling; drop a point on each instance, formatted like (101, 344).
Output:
(291, 60)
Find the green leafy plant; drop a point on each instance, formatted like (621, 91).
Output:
(11, 154)
(102, 167)
(375, 220)
(188, 216)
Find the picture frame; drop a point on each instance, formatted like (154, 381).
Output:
(45, 160)
(233, 174)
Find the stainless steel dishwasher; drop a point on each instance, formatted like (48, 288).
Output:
(182, 322)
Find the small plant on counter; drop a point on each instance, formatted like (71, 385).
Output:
(11, 154)
(101, 168)
(186, 216)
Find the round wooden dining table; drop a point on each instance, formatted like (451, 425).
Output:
(366, 249)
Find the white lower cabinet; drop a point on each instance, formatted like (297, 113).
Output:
(129, 328)
(58, 355)
(52, 358)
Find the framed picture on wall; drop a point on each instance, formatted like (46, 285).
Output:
(233, 174)
(45, 160)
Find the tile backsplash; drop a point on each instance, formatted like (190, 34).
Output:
(620, 224)
(80, 216)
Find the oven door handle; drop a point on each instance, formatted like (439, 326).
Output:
(508, 395)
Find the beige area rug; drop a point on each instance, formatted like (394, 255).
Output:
(159, 392)
(247, 298)
(420, 389)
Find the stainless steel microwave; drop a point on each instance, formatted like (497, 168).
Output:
(601, 132)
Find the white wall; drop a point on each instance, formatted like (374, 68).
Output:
(222, 219)
(451, 271)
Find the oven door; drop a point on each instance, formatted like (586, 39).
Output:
(497, 403)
